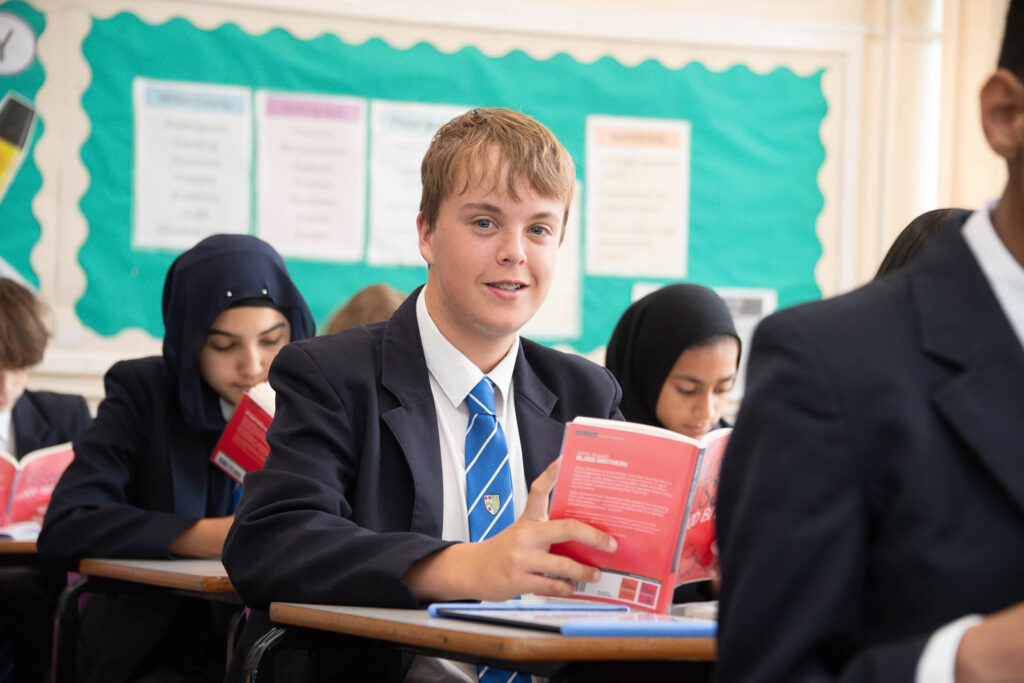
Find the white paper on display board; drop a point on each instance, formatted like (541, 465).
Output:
(559, 317)
(193, 162)
(638, 196)
(400, 133)
(311, 174)
(748, 306)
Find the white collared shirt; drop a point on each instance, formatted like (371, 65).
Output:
(452, 377)
(1006, 277)
(6, 432)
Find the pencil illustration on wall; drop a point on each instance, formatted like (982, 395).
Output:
(17, 120)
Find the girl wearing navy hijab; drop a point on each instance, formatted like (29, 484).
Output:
(675, 353)
(142, 485)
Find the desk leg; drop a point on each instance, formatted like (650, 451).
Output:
(65, 631)
(267, 643)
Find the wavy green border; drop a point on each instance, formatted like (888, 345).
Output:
(756, 151)
(20, 229)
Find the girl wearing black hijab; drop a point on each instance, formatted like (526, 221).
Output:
(675, 353)
(142, 484)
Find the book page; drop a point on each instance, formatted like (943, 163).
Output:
(696, 559)
(243, 446)
(8, 472)
(634, 486)
(40, 472)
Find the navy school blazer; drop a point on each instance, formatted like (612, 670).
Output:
(873, 487)
(140, 477)
(44, 418)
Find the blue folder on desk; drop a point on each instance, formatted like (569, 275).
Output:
(585, 619)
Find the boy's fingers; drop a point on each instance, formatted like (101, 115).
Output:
(537, 500)
(561, 530)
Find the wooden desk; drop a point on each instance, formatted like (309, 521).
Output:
(194, 576)
(203, 579)
(18, 553)
(508, 647)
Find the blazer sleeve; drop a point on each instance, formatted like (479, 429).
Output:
(98, 508)
(294, 537)
(793, 528)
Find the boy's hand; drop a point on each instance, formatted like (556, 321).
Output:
(205, 538)
(994, 649)
(514, 562)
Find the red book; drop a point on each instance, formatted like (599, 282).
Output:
(654, 491)
(243, 445)
(26, 485)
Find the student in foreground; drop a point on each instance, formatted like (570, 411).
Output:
(363, 499)
(871, 507)
(142, 484)
(29, 420)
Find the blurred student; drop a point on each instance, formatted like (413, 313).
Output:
(913, 238)
(142, 484)
(675, 353)
(373, 485)
(29, 420)
(368, 305)
(871, 507)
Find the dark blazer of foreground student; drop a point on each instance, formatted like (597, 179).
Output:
(350, 496)
(142, 473)
(871, 505)
(898, 528)
(45, 418)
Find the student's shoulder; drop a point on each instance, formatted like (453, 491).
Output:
(559, 369)
(340, 355)
(876, 310)
(139, 375)
(359, 339)
(57, 402)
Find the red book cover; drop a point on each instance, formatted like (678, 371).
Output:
(243, 445)
(641, 484)
(26, 486)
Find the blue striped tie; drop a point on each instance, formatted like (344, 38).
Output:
(488, 487)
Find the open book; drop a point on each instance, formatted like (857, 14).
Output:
(652, 489)
(26, 486)
(243, 445)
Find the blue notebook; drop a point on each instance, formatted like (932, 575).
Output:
(589, 619)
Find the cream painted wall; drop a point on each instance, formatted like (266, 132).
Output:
(901, 135)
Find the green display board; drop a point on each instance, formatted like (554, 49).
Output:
(19, 229)
(755, 146)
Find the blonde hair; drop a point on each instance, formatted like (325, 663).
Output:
(368, 305)
(525, 147)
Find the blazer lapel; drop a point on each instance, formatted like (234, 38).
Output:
(964, 327)
(30, 426)
(540, 435)
(413, 421)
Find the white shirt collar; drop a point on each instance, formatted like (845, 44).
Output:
(226, 410)
(5, 432)
(1003, 272)
(454, 373)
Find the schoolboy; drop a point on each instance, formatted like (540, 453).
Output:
(363, 498)
(29, 420)
(873, 491)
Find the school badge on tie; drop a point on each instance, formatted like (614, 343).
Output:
(492, 503)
